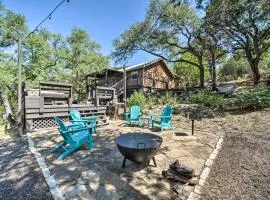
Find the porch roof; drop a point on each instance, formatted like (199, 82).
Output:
(102, 74)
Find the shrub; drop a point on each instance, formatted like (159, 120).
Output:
(154, 100)
(208, 100)
(137, 98)
(257, 97)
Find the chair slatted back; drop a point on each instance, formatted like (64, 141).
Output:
(135, 112)
(63, 128)
(167, 111)
(76, 115)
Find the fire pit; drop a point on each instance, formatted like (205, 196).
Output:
(138, 147)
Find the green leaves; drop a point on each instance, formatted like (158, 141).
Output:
(208, 100)
(168, 31)
(46, 56)
(137, 98)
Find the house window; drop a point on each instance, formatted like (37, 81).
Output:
(150, 74)
(134, 75)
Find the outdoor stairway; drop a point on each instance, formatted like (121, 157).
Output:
(103, 95)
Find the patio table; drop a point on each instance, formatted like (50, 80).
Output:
(148, 118)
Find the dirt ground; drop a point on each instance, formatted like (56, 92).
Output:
(20, 176)
(242, 168)
(98, 174)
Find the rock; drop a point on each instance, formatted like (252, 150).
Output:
(89, 176)
(205, 173)
(56, 193)
(193, 196)
(46, 172)
(197, 189)
(202, 182)
(208, 162)
(76, 191)
(51, 182)
(213, 155)
(193, 181)
(182, 191)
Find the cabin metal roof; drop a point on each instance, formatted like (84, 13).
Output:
(132, 68)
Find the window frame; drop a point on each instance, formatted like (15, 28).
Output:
(134, 73)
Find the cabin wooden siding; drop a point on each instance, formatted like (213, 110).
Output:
(157, 76)
(135, 83)
(111, 80)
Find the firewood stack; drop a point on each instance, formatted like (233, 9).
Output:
(179, 172)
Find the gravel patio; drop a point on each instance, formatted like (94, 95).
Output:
(241, 170)
(98, 174)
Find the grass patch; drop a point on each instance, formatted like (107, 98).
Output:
(3, 134)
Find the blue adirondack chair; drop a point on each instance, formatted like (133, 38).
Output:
(163, 119)
(74, 136)
(133, 116)
(83, 121)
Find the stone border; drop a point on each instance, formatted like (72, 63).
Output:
(196, 193)
(54, 189)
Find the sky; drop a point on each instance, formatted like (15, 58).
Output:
(104, 20)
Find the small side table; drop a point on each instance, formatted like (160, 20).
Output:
(148, 118)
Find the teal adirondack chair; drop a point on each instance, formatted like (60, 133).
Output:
(83, 121)
(163, 119)
(133, 116)
(74, 136)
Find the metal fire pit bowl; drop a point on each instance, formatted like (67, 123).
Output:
(138, 147)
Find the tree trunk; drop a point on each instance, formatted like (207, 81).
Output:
(201, 77)
(254, 64)
(214, 79)
(201, 68)
(8, 112)
(214, 74)
(6, 104)
(255, 70)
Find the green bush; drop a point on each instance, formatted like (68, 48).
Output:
(256, 97)
(208, 100)
(153, 100)
(137, 98)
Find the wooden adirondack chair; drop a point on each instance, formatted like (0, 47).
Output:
(163, 119)
(83, 121)
(74, 136)
(133, 116)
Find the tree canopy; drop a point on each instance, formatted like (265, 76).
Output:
(46, 56)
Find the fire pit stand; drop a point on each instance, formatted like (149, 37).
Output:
(138, 147)
(124, 162)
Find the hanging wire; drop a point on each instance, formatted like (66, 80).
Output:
(49, 16)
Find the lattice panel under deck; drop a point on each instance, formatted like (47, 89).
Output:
(44, 123)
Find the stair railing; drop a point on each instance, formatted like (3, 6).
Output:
(119, 86)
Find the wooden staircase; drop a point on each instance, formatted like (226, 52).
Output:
(104, 95)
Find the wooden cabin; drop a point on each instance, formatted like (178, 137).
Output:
(148, 77)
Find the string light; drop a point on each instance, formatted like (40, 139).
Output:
(48, 16)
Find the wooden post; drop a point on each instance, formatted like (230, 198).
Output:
(125, 88)
(106, 78)
(192, 126)
(20, 127)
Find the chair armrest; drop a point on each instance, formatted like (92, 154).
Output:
(72, 126)
(80, 121)
(77, 130)
(165, 117)
(89, 118)
(155, 116)
(127, 113)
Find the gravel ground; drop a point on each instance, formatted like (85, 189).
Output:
(242, 168)
(20, 176)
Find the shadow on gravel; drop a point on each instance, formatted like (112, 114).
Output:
(20, 176)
